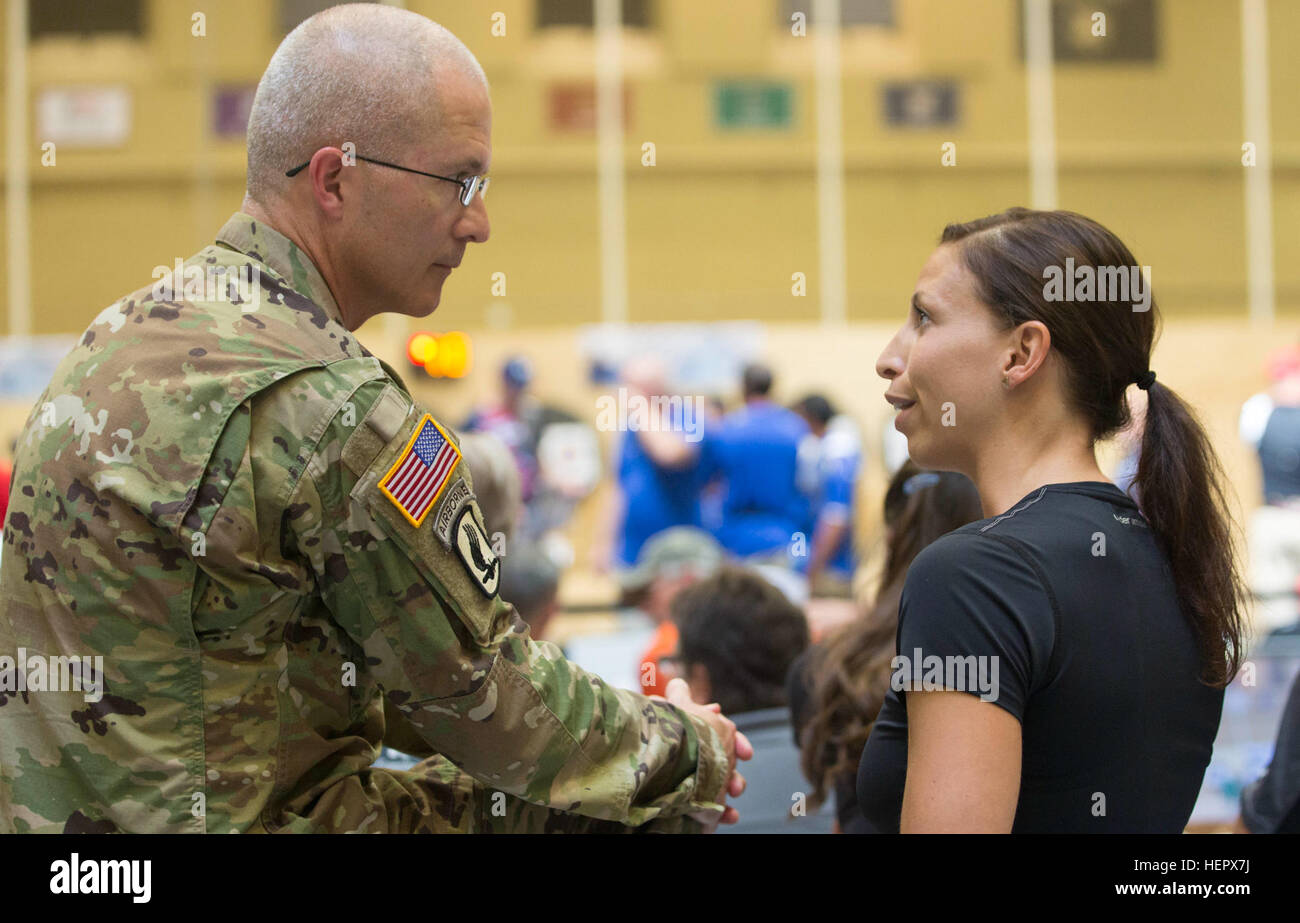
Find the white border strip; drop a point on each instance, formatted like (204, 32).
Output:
(1258, 189)
(1040, 93)
(830, 163)
(18, 226)
(610, 170)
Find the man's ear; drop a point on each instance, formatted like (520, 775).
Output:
(1028, 348)
(326, 175)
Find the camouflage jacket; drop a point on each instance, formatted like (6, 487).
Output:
(204, 497)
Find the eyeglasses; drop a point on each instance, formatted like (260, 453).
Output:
(469, 186)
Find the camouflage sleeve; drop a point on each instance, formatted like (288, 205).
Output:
(418, 594)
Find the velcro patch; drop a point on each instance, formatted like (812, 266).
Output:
(388, 415)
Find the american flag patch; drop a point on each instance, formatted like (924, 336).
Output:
(421, 472)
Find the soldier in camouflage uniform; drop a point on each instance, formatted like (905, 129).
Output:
(207, 496)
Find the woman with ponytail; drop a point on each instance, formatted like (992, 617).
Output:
(1061, 662)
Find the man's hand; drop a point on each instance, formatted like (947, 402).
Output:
(734, 742)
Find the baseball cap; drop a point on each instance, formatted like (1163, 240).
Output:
(517, 372)
(672, 552)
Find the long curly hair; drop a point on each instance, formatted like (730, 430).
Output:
(850, 670)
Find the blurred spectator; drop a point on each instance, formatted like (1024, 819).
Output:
(568, 469)
(739, 636)
(658, 466)
(829, 460)
(893, 447)
(1270, 422)
(1271, 804)
(530, 581)
(516, 420)
(669, 562)
(756, 454)
(837, 688)
(713, 493)
(496, 483)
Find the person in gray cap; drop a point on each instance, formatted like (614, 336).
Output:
(669, 562)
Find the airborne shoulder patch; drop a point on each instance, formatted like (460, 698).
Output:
(453, 500)
(476, 552)
(422, 470)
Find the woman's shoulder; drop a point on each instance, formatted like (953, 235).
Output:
(969, 570)
(968, 549)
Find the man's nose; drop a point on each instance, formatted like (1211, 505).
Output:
(474, 224)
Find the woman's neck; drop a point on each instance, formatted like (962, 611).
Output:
(1006, 472)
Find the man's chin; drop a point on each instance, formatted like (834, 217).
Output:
(424, 307)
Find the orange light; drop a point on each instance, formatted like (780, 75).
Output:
(453, 356)
(420, 347)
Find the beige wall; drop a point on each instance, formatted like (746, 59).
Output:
(719, 224)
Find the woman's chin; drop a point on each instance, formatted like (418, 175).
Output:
(923, 453)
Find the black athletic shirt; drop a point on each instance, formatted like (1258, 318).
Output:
(1069, 591)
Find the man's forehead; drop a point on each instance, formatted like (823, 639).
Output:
(464, 137)
(463, 155)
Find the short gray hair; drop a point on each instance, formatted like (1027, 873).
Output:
(357, 72)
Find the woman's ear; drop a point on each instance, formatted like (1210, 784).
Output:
(1029, 346)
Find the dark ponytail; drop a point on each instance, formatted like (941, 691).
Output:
(1106, 348)
(1180, 486)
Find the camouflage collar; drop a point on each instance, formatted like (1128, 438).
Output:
(261, 242)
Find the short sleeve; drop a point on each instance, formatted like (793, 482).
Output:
(1254, 419)
(974, 617)
(838, 496)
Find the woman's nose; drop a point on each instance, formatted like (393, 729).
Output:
(891, 362)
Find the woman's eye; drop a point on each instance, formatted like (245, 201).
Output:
(921, 316)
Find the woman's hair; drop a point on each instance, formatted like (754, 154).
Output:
(850, 670)
(1105, 346)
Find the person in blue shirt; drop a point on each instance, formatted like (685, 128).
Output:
(658, 465)
(829, 459)
(756, 453)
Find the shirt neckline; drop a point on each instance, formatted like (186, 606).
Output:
(1098, 490)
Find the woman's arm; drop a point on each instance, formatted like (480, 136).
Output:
(963, 765)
